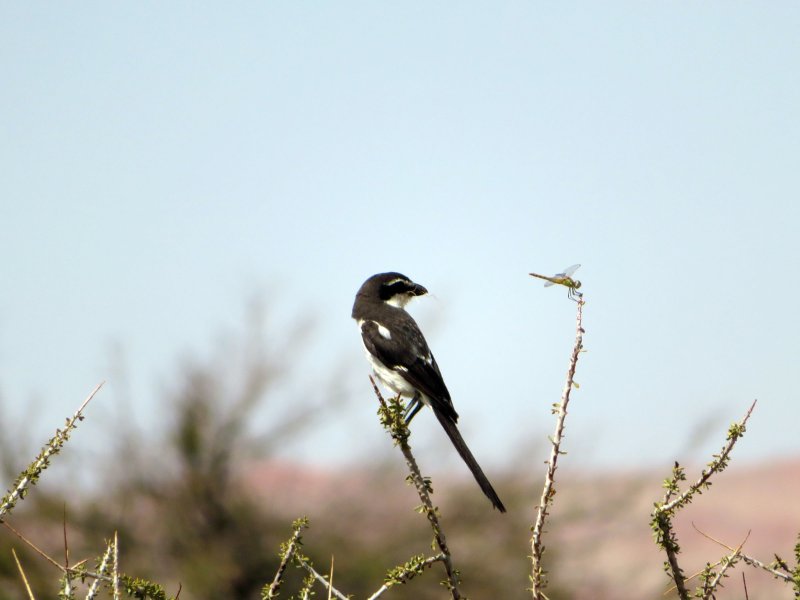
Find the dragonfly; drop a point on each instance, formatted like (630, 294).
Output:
(565, 279)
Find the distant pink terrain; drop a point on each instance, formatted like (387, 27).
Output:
(600, 522)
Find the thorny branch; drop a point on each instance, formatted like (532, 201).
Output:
(538, 574)
(674, 500)
(392, 419)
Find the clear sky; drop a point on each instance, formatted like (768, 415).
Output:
(161, 163)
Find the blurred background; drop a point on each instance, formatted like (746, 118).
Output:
(192, 194)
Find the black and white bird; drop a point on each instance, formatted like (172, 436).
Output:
(401, 359)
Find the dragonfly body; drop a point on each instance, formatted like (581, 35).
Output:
(564, 279)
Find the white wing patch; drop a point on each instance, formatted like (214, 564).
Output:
(383, 331)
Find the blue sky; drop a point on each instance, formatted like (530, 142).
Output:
(164, 163)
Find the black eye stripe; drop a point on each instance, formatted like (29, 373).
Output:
(398, 286)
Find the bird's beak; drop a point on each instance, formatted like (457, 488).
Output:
(418, 290)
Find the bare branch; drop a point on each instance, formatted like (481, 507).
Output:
(718, 464)
(30, 475)
(392, 420)
(115, 568)
(674, 500)
(101, 570)
(321, 578)
(33, 546)
(753, 562)
(22, 573)
(287, 554)
(727, 562)
(538, 574)
(407, 574)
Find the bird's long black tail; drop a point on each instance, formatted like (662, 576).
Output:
(455, 436)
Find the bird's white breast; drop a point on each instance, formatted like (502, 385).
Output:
(389, 377)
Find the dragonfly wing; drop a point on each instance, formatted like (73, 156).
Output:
(569, 271)
(549, 282)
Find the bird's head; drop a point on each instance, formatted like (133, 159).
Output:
(394, 289)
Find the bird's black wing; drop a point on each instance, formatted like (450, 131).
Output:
(407, 352)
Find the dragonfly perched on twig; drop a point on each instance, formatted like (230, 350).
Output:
(564, 279)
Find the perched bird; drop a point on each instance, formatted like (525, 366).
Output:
(401, 359)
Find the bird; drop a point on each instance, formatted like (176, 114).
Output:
(403, 362)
